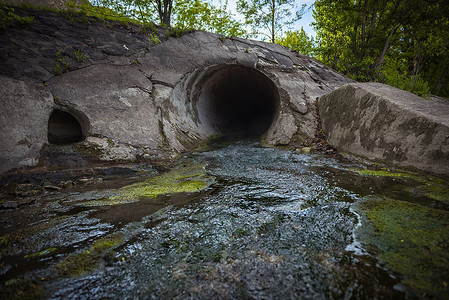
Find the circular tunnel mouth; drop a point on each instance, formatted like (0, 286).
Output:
(63, 128)
(238, 100)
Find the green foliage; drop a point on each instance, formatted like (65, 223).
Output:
(200, 15)
(402, 43)
(271, 16)
(155, 39)
(187, 15)
(8, 18)
(411, 83)
(149, 27)
(73, 15)
(104, 10)
(80, 57)
(61, 65)
(176, 32)
(298, 41)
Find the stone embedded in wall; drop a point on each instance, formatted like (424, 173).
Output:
(25, 110)
(380, 122)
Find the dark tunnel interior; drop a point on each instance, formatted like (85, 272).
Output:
(237, 100)
(63, 128)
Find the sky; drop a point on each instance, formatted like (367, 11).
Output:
(304, 21)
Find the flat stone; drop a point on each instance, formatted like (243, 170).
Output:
(383, 123)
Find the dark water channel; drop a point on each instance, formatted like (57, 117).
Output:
(264, 224)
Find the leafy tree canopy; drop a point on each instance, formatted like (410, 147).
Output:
(183, 14)
(297, 40)
(401, 42)
(269, 17)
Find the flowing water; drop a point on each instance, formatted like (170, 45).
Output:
(260, 223)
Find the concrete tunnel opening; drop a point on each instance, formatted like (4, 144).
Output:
(64, 128)
(238, 101)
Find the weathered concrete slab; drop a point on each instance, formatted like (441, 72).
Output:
(25, 109)
(380, 122)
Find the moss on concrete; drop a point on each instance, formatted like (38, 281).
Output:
(185, 179)
(413, 241)
(88, 260)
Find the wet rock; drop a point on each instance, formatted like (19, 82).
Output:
(9, 204)
(380, 122)
(52, 187)
(24, 122)
(22, 189)
(26, 201)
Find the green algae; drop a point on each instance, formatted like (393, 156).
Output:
(3, 240)
(20, 289)
(413, 241)
(20, 241)
(437, 189)
(88, 260)
(431, 186)
(385, 173)
(185, 179)
(41, 253)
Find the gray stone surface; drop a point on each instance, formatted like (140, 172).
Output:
(25, 109)
(380, 122)
(135, 99)
(115, 99)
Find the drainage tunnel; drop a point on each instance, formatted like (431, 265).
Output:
(237, 100)
(63, 128)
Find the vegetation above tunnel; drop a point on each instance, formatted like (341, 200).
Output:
(401, 43)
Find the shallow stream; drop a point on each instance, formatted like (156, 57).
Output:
(239, 221)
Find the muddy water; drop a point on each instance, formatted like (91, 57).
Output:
(267, 224)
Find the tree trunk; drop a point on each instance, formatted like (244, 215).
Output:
(442, 79)
(164, 8)
(364, 24)
(387, 45)
(373, 19)
(273, 15)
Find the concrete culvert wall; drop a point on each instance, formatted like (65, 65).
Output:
(64, 128)
(237, 100)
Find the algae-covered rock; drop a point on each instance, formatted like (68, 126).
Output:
(430, 186)
(413, 241)
(185, 179)
(42, 253)
(88, 260)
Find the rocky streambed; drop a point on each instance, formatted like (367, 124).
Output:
(235, 221)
